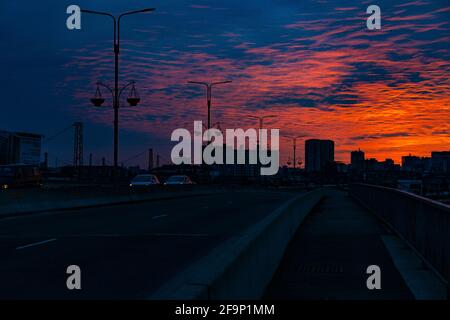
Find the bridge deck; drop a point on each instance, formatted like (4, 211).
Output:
(329, 255)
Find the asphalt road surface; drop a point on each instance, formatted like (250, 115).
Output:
(124, 251)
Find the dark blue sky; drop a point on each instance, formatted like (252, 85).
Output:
(313, 63)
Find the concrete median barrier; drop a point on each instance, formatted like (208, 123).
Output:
(242, 267)
(49, 204)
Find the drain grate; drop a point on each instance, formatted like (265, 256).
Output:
(321, 268)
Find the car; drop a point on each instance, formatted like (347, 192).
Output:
(144, 180)
(179, 179)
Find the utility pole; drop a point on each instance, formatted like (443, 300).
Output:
(78, 144)
(295, 147)
(150, 159)
(157, 160)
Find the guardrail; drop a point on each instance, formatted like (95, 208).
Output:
(423, 223)
(243, 266)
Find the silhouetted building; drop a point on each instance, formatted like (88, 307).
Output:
(341, 167)
(20, 147)
(440, 161)
(357, 160)
(389, 164)
(373, 164)
(317, 154)
(415, 164)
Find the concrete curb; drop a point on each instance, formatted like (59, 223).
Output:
(242, 267)
(19, 209)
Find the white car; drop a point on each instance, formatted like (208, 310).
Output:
(144, 180)
(175, 180)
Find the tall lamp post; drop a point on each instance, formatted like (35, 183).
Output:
(261, 125)
(261, 119)
(294, 145)
(209, 86)
(133, 99)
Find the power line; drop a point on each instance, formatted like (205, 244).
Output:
(136, 156)
(59, 133)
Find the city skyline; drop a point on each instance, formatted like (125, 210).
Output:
(384, 91)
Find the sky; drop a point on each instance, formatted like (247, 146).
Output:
(311, 63)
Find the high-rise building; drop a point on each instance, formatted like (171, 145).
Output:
(20, 147)
(357, 160)
(318, 153)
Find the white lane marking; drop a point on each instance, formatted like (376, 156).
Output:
(160, 216)
(35, 244)
(180, 234)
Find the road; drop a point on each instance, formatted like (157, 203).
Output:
(124, 251)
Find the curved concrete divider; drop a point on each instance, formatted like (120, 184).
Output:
(242, 267)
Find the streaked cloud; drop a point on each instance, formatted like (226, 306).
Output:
(312, 63)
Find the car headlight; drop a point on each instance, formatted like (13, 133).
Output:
(131, 184)
(5, 186)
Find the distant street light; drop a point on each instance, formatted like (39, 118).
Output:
(261, 125)
(209, 86)
(261, 119)
(294, 146)
(133, 99)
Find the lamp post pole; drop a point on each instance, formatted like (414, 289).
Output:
(209, 86)
(261, 122)
(294, 146)
(117, 90)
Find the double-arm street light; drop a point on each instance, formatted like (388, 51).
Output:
(294, 145)
(209, 86)
(116, 92)
(261, 124)
(261, 119)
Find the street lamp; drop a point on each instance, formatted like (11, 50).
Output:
(132, 99)
(261, 125)
(209, 86)
(294, 146)
(261, 119)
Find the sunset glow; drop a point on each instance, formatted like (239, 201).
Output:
(313, 64)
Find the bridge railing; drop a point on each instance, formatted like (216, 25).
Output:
(424, 223)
